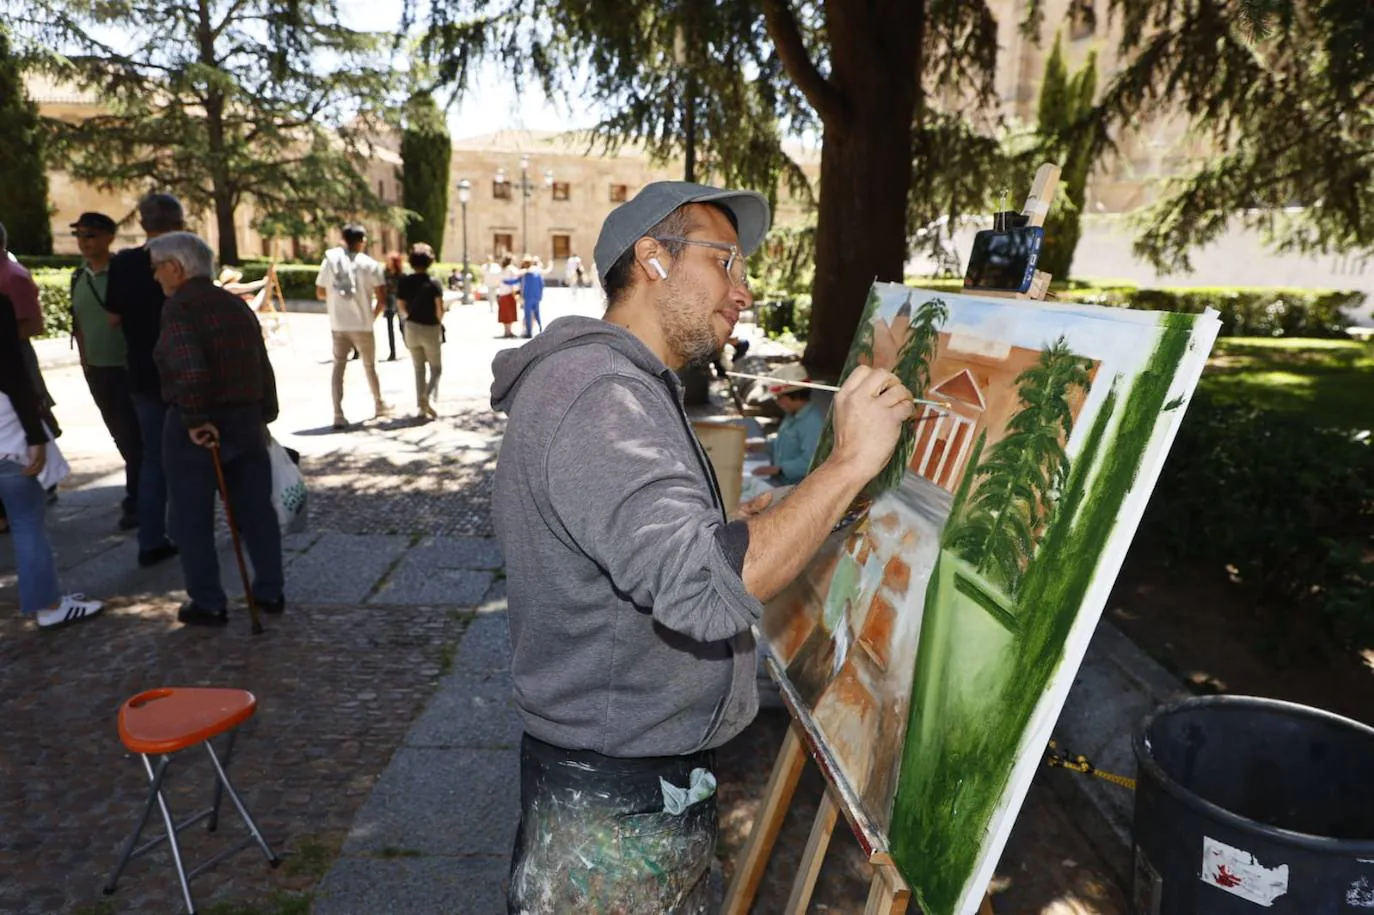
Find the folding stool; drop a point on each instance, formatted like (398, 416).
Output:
(160, 722)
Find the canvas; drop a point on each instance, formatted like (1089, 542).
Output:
(929, 647)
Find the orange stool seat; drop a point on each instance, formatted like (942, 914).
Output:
(161, 721)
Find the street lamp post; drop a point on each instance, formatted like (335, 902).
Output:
(526, 190)
(464, 195)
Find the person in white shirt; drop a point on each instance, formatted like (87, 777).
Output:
(491, 278)
(353, 286)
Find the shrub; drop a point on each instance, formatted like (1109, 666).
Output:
(55, 297)
(1244, 311)
(1288, 507)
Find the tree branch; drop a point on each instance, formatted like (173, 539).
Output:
(782, 25)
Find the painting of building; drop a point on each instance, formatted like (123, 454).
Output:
(928, 647)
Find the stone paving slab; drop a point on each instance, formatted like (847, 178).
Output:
(415, 886)
(344, 568)
(485, 645)
(469, 710)
(441, 802)
(418, 583)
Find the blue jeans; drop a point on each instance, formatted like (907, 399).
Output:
(152, 481)
(25, 503)
(532, 317)
(192, 487)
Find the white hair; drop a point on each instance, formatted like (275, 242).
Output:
(185, 248)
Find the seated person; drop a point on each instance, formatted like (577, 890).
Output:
(793, 446)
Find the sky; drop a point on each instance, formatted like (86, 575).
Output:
(491, 102)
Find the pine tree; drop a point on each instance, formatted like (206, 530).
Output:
(23, 177)
(425, 150)
(1023, 473)
(268, 101)
(1067, 133)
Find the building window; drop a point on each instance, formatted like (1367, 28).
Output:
(381, 189)
(502, 243)
(560, 190)
(619, 193)
(562, 247)
(1082, 19)
(500, 190)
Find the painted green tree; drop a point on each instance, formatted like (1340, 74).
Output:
(24, 186)
(913, 367)
(425, 150)
(919, 330)
(1023, 474)
(1067, 135)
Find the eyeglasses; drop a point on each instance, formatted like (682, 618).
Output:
(86, 234)
(736, 267)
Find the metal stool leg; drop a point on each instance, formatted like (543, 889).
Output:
(172, 839)
(142, 822)
(219, 789)
(243, 811)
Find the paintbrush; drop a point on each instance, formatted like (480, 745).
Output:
(815, 386)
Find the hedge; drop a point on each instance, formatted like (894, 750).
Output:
(297, 282)
(1245, 311)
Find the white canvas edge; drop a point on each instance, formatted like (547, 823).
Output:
(1040, 729)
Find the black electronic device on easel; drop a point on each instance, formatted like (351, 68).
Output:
(1003, 258)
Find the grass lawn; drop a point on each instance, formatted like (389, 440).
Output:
(1332, 381)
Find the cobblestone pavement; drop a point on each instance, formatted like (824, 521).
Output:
(381, 589)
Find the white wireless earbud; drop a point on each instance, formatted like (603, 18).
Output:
(663, 274)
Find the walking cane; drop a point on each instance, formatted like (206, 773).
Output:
(234, 534)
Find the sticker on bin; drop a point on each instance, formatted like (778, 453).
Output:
(1238, 873)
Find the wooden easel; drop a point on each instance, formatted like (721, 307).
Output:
(271, 310)
(888, 893)
(1037, 206)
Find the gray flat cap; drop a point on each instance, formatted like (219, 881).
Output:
(629, 221)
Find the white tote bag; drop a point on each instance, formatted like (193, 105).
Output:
(288, 489)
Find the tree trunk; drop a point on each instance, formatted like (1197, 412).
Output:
(860, 225)
(868, 103)
(689, 169)
(220, 192)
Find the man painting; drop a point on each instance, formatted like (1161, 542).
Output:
(631, 595)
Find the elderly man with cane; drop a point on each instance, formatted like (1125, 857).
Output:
(221, 392)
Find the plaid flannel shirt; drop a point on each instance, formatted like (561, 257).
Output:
(210, 354)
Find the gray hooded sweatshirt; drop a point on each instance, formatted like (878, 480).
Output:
(628, 617)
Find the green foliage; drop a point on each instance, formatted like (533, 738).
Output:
(426, 150)
(268, 100)
(1295, 525)
(1284, 90)
(24, 185)
(55, 298)
(1066, 134)
(1253, 312)
(1021, 478)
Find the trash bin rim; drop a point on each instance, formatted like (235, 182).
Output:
(1145, 760)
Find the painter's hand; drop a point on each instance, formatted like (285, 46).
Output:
(755, 506)
(38, 459)
(205, 435)
(870, 409)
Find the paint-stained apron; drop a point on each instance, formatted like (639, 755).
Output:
(595, 837)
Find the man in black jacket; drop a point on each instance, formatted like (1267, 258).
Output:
(135, 298)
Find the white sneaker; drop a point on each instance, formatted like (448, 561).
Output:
(73, 609)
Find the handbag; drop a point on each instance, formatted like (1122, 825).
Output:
(288, 489)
